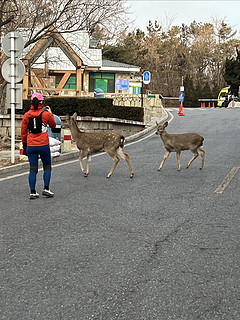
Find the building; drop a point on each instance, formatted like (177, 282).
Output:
(70, 64)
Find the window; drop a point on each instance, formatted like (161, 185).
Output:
(136, 90)
(58, 78)
(71, 83)
(104, 81)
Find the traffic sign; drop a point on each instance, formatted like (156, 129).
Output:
(13, 71)
(146, 77)
(181, 96)
(18, 44)
(6, 70)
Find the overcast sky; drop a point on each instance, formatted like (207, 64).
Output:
(184, 11)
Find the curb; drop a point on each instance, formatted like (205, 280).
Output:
(75, 154)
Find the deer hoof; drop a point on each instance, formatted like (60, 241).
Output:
(131, 176)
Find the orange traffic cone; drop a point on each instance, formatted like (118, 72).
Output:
(180, 112)
(209, 105)
(213, 106)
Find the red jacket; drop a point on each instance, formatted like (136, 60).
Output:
(39, 139)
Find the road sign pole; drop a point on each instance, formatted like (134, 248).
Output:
(13, 96)
(13, 71)
(142, 91)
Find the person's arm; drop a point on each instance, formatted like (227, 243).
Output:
(24, 133)
(50, 120)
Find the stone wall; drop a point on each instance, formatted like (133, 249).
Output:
(151, 103)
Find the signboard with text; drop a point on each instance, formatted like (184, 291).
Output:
(122, 84)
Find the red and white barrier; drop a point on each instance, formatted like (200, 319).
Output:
(67, 139)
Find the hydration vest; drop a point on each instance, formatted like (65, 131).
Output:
(35, 125)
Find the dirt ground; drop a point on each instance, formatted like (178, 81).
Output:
(5, 151)
(7, 162)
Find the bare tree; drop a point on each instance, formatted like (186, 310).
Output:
(35, 19)
(71, 15)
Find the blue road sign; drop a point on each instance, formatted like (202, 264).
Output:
(181, 96)
(146, 77)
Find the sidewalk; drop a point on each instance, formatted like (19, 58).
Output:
(6, 154)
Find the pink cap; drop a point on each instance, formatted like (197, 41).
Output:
(38, 95)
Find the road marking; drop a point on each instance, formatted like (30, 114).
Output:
(223, 185)
(14, 176)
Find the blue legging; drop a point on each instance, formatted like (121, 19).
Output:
(45, 155)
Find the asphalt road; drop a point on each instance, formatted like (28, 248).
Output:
(163, 245)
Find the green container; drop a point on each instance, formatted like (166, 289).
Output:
(151, 95)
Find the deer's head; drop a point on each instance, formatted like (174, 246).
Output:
(161, 128)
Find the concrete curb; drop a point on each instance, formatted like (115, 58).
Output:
(74, 154)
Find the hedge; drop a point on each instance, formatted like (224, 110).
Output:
(93, 107)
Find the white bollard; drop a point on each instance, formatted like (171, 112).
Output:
(67, 139)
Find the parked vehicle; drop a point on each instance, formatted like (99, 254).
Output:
(224, 97)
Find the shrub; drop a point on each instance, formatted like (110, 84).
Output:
(93, 107)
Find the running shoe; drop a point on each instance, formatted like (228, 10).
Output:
(34, 195)
(47, 193)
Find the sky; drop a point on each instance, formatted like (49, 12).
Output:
(184, 12)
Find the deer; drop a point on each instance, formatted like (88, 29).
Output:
(89, 143)
(179, 142)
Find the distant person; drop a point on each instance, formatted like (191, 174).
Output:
(36, 142)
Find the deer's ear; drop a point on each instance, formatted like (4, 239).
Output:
(156, 123)
(165, 124)
(74, 116)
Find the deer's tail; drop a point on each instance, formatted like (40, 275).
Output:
(122, 141)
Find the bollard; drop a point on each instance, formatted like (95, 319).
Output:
(67, 140)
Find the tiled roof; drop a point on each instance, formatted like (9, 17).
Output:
(115, 64)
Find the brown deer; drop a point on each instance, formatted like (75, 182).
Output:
(93, 142)
(178, 142)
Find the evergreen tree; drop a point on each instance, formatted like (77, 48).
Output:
(232, 73)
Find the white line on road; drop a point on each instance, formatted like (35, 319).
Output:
(223, 185)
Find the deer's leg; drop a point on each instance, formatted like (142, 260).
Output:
(116, 160)
(164, 159)
(88, 165)
(126, 157)
(202, 154)
(195, 155)
(82, 154)
(178, 160)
